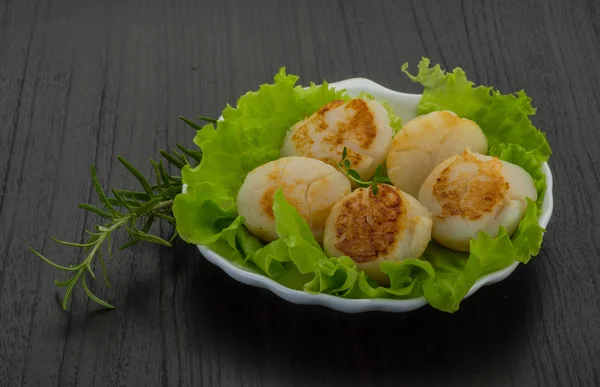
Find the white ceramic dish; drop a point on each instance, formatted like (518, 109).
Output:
(405, 105)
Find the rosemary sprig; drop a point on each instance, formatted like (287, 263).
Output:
(378, 178)
(134, 211)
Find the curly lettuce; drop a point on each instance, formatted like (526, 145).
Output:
(503, 118)
(252, 133)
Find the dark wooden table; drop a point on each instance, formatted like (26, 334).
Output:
(84, 81)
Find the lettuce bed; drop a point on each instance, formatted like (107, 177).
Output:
(252, 133)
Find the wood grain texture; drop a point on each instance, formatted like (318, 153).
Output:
(84, 81)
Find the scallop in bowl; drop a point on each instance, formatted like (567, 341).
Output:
(405, 106)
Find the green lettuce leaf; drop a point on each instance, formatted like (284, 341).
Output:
(527, 240)
(293, 230)
(503, 118)
(406, 279)
(334, 276)
(296, 245)
(203, 212)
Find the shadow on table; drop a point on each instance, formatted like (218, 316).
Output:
(255, 328)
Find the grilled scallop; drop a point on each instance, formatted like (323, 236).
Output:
(469, 193)
(362, 126)
(370, 229)
(310, 185)
(426, 141)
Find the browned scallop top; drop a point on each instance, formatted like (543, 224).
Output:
(435, 124)
(357, 124)
(366, 228)
(471, 195)
(449, 119)
(267, 199)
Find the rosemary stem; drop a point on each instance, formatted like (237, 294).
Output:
(161, 205)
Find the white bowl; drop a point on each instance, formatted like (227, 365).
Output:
(405, 105)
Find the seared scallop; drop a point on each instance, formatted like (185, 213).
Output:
(310, 185)
(469, 193)
(426, 141)
(360, 125)
(370, 229)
